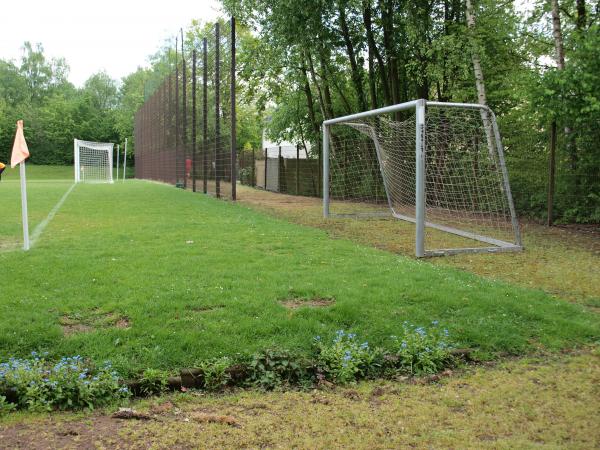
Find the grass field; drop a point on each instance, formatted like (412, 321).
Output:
(562, 261)
(150, 276)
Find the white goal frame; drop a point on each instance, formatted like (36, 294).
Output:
(93, 161)
(420, 219)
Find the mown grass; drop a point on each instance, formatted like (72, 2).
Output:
(45, 186)
(528, 403)
(561, 261)
(39, 172)
(194, 277)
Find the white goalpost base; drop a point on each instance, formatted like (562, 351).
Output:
(93, 162)
(438, 165)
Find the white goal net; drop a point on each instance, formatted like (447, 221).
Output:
(93, 162)
(437, 165)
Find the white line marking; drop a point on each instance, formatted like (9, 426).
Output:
(40, 226)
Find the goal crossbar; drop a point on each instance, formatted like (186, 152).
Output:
(495, 149)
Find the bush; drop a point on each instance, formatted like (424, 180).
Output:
(153, 382)
(215, 373)
(345, 359)
(420, 351)
(72, 383)
(272, 368)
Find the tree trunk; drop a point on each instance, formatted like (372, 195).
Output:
(310, 105)
(387, 19)
(328, 103)
(557, 34)
(373, 50)
(475, 60)
(581, 15)
(311, 67)
(479, 82)
(357, 74)
(372, 88)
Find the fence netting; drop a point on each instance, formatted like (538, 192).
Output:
(183, 132)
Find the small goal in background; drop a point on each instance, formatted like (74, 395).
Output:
(438, 165)
(93, 162)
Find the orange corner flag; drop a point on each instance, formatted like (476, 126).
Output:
(20, 152)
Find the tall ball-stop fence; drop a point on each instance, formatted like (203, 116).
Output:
(185, 132)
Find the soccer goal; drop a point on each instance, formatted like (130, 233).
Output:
(93, 162)
(438, 165)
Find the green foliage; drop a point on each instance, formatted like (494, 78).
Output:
(153, 382)
(215, 374)
(72, 383)
(273, 368)
(421, 351)
(345, 359)
(6, 406)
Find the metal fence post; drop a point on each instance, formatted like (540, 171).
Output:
(266, 165)
(184, 118)
(177, 163)
(233, 116)
(194, 120)
(217, 109)
(253, 182)
(205, 117)
(279, 171)
(297, 169)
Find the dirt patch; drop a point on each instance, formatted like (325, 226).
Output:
(202, 417)
(316, 302)
(88, 321)
(205, 308)
(68, 329)
(123, 322)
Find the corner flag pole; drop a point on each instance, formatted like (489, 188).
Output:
(20, 153)
(24, 206)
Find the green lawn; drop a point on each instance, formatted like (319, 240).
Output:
(147, 275)
(45, 186)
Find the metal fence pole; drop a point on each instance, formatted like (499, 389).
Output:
(184, 118)
(217, 109)
(194, 120)
(205, 117)
(297, 169)
(280, 172)
(177, 181)
(266, 165)
(253, 182)
(551, 174)
(233, 116)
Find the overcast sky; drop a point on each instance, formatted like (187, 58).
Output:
(92, 35)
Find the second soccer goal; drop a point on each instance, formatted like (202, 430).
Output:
(438, 165)
(93, 161)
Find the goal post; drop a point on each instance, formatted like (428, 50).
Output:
(93, 161)
(435, 164)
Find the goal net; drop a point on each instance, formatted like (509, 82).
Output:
(93, 162)
(437, 165)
